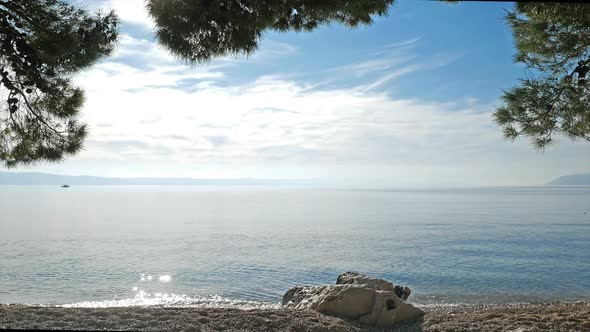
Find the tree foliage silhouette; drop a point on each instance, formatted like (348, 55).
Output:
(553, 40)
(198, 31)
(42, 44)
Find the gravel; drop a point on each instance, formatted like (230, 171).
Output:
(558, 316)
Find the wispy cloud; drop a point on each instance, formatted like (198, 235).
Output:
(391, 76)
(434, 62)
(145, 107)
(403, 44)
(380, 68)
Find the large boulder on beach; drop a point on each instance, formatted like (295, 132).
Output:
(363, 302)
(358, 278)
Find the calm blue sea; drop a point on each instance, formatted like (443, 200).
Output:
(245, 246)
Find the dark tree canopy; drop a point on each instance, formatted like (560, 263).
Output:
(42, 44)
(201, 30)
(553, 40)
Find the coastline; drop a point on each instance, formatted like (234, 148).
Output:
(554, 316)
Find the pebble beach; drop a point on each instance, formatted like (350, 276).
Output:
(558, 316)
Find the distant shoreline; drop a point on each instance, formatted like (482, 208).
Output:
(34, 178)
(562, 316)
(38, 178)
(572, 180)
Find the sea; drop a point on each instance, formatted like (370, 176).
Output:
(245, 246)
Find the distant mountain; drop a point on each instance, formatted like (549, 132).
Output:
(30, 178)
(572, 180)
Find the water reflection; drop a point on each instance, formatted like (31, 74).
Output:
(175, 300)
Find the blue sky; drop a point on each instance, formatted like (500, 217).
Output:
(405, 102)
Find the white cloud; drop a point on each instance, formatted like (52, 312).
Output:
(141, 51)
(132, 11)
(152, 116)
(140, 63)
(129, 11)
(313, 129)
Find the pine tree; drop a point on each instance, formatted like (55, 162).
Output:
(553, 40)
(42, 44)
(198, 31)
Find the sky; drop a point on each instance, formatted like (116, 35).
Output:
(404, 102)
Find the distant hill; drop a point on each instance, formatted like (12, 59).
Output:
(572, 180)
(31, 178)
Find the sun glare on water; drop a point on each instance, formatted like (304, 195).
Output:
(165, 278)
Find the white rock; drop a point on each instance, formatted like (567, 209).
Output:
(357, 278)
(363, 302)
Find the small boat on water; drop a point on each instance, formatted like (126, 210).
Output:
(65, 186)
